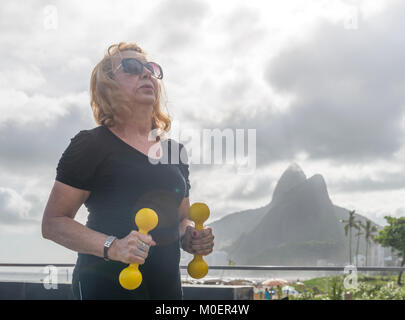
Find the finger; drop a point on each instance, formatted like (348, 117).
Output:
(195, 233)
(200, 247)
(137, 259)
(207, 231)
(188, 234)
(140, 253)
(142, 246)
(135, 256)
(190, 229)
(203, 241)
(189, 245)
(141, 250)
(204, 233)
(203, 252)
(145, 238)
(207, 246)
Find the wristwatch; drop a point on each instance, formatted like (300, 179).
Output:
(107, 245)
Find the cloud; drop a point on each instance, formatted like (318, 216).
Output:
(34, 141)
(244, 29)
(18, 107)
(253, 189)
(348, 95)
(172, 25)
(384, 182)
(348, 102)
(15, 209)
(378, 215)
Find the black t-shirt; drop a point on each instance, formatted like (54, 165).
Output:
(122, 180)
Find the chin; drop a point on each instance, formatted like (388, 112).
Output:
(150, 101)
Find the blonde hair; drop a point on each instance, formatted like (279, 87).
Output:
(110, 106)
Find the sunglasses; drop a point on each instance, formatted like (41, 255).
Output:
(134, 66)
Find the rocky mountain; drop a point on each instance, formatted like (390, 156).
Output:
(300, 226)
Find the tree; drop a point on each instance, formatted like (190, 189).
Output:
(369, 233)
(393, 235)
(358, 234)
(351, 223)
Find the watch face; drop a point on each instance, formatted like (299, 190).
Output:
(108, 242)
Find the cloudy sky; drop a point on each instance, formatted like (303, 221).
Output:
(321, 82)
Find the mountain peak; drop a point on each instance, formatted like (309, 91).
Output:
(317, 182)
(295, 168)
(292, 177)
(318, 178)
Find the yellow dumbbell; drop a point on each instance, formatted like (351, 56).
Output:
(131, 278)
(198, 212)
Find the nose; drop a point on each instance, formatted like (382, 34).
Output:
(146, 73)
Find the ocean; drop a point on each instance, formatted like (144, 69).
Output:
(64, 275)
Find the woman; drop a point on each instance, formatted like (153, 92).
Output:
(115, 169)
(267, 294)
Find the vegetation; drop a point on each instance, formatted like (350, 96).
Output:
(358, 234)
(369, 233)
(350, 223)
(368, 288)
(393, 235)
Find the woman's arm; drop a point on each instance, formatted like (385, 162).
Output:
(186, 225)
(58, 222)
(184, 220)
(58, 225)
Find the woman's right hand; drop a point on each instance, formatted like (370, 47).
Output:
(129, 249)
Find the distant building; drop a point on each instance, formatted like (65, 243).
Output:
(360, 260)
(379, 256)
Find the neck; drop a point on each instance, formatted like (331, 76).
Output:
(137, 126)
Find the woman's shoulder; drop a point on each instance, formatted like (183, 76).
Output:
(90, 136)
(79, 161)
(95, 133)
(87, 143)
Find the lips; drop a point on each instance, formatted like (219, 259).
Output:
(146, 86)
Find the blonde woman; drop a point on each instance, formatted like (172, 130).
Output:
(122, 165)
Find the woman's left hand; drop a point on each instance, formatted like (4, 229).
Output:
(198, 242)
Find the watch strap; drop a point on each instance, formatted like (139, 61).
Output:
(107, 245)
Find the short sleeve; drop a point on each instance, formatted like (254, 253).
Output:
(78, 162)
(184, 167)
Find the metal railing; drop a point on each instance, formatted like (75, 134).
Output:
(241, 267)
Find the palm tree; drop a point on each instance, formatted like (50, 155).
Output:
(358, 234)
(350, 223)
(369, 233)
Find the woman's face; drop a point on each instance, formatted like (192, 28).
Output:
(132, 84)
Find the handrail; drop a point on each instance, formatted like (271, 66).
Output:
(241, 267)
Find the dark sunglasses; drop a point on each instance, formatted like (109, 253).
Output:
(134, 66)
